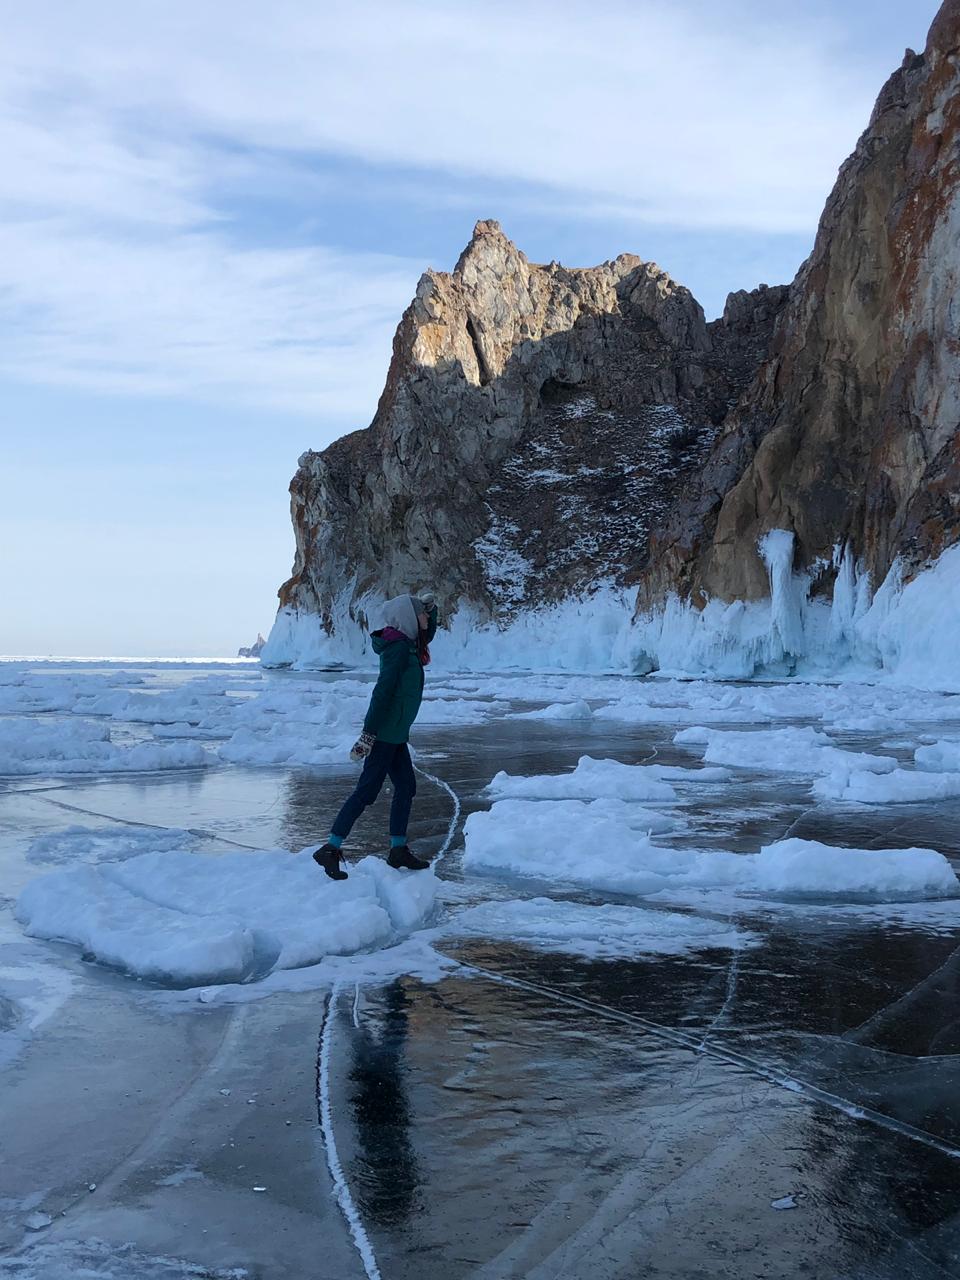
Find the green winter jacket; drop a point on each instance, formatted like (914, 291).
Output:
(399, 689)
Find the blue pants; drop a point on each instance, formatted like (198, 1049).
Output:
(386, 760)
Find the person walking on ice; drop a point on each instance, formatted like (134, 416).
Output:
(410, 623)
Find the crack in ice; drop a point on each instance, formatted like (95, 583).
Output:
(325, 1117)
(685, 1040)
(452, 829)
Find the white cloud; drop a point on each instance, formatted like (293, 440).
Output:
(122, 125)
(305, 330)
(693, 118)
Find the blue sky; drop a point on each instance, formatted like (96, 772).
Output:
(213, 216)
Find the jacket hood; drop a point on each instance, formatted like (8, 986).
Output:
(401, 614)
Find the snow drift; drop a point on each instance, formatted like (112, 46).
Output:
(191, 919)
(609, 854)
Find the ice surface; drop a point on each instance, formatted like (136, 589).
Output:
(591, 779)
(605, 853)
(97, 1260)
(33, 747)
(31, 991)
(790, 750)
(195, 919)
(552, 925)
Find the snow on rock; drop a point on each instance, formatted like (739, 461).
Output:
(790, 750)
(33, 747)
(596, 633)
(193, 919)
(591, 779)
(571, 927)
(603, 852)
(904, 633)
(912, 629)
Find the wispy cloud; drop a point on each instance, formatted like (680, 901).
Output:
(303, 330)
(122, 264)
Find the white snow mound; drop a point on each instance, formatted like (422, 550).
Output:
(578, 710)
(790, 750)
(29, 747)
(591, 779)
(194, 919)
(603, 852)
(903, 786)
(939, 757)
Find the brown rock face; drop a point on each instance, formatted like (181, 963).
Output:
(849, 432)
(535, 423)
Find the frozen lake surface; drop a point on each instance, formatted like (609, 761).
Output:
(681, 997)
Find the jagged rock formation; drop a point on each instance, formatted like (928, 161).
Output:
(849, 433)
(254, 650)
(535, 424)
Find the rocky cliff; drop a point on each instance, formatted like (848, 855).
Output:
(535, 425)
(544, 429)
(849, 434)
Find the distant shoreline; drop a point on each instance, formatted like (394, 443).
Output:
(56, 659)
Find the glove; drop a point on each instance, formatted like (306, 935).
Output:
(362, 747)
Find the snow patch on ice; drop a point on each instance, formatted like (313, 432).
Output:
(578, 710)
(591, 779)
(611, 931)
(73, 845)
(604, 852)
(30, 747)
(193, 919)
(789, 750)
(901, 786)
(939, 757)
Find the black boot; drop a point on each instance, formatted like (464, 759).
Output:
(330, 858)
(400, 856)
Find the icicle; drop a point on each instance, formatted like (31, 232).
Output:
(786, 618)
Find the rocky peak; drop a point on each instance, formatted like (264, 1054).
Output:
(535, 421)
